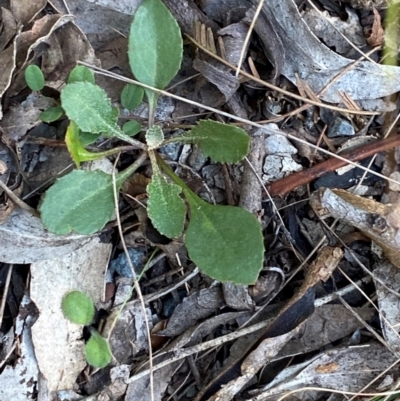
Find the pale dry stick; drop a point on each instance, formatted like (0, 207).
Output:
(364, 323)
(373, 305)
(277, 88)
(247, 38)
(19, 202)
(66, 6)
(8, 354)
(327, 390)
(138, 162)
(273, 205)
(393, 387)
(183, 353)
(5, 292)
(377, 377)
(389, 130)
(100, 71)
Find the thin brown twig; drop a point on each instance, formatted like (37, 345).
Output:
(287, 184)
(18, 201)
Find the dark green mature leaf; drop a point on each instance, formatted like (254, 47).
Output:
(221, 142)
(155, 44)
(81, 201)
(97, 351)
(225, 242)
(131, 96)
(78, 308)
(80, 73)
(34, 78)
(165, 207)
(91, 109)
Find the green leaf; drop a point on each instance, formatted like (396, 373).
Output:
(75, 148)
(87, 138)
(132, 128)
(166, 209)
(131, 96)
(155, 44)
(90, 108)
(154, 137)
(34, 78)
(81, 201)
(97, 351)
(51, 114)
(225, 242)
(80, 73)
(221, 142)
(78, 308)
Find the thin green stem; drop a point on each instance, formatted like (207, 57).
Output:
(134, 142)
(125, 174)
(192, 198)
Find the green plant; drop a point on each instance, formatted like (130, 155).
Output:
(78, 308)
(225, 242)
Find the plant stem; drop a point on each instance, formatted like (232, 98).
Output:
(134, 142)
(125, 174)
(191, 197)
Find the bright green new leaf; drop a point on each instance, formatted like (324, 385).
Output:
(90, 108)
(80, 73)
(78, 308)
(51, 114)
(154, 137)
(97, 351)
(155, 45)
(225, 242)
(81, 201)
(75, 148)
(34, 77)
(131, 96)
(165, 207)
(221, 142)
(132, 128)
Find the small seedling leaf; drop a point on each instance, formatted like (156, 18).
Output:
(90, 108)
(97, 351)
(225, 242)
(221, 142)
(132, 128)
(154, 137)
(166, 209)
(80, 73)
(51, 114)
(81, 201)
(131, 96)
(34, 78)
(78, 308)
(155, 44)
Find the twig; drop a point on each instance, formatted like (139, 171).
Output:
(4, 297)
(18, 201)
(287, 184)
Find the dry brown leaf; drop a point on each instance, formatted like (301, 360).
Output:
(25, 11)
(377, 34)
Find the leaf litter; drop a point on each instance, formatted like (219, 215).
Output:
(302, 316)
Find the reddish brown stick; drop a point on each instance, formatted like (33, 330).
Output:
(287, 184)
